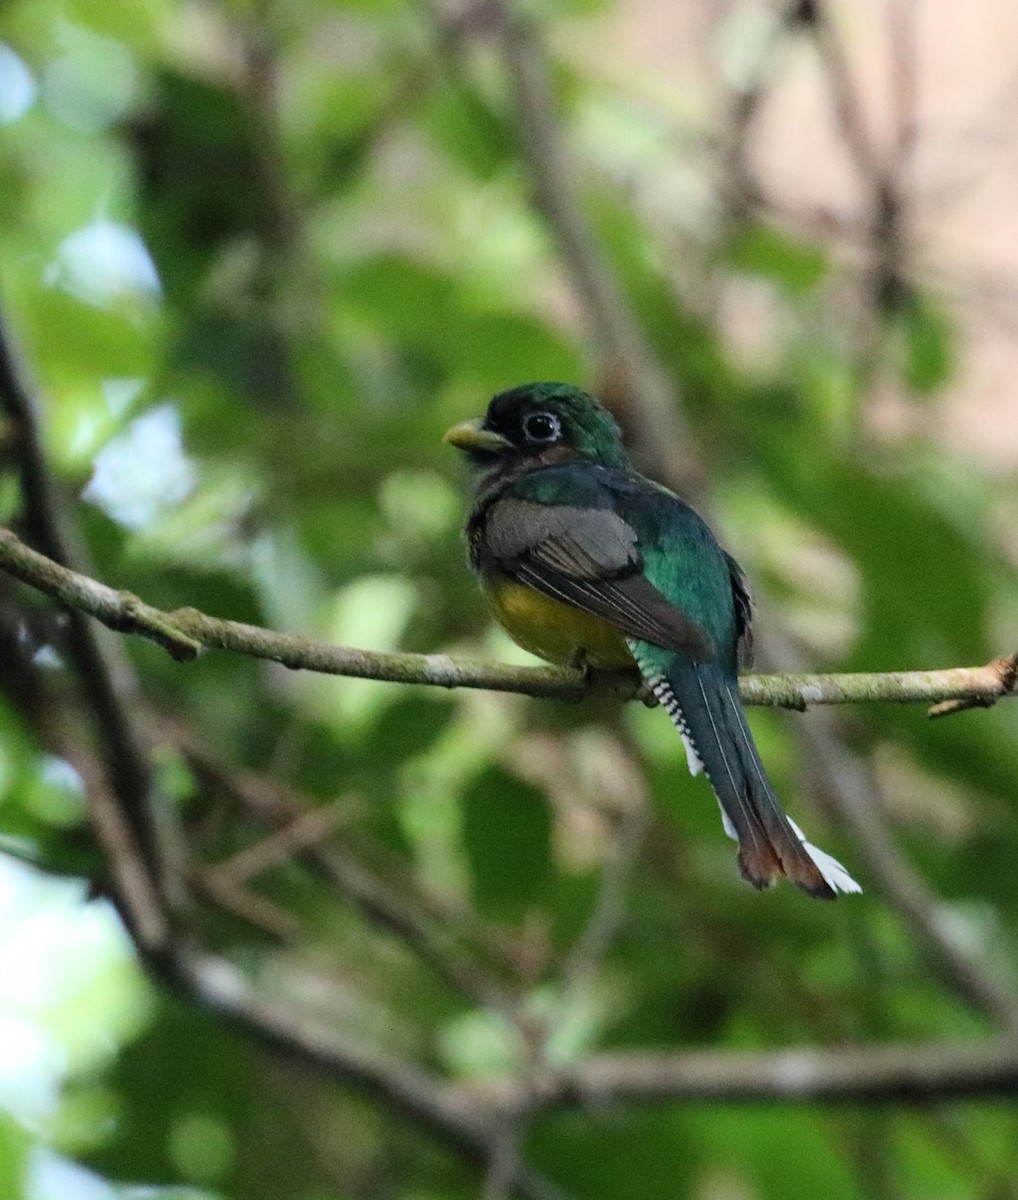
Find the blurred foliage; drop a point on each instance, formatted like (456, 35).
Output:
(259, 257)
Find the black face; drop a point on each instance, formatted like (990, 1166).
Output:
(531, 426)
(540, 424)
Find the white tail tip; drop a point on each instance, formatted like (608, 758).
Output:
(835, 875)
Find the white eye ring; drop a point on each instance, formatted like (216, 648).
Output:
(549, 427)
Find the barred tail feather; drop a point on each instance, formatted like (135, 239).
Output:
(704, 704)
(666, 698)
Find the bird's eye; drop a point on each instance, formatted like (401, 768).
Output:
(542, 427)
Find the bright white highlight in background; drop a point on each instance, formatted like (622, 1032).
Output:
(104, 263)
(70, 993)
(143, 471)
(17, 87)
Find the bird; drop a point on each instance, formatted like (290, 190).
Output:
(585, 562)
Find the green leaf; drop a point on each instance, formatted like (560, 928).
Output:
(507, 837)
(201, 175)
(186, 1130)
(15, 1144)
(796, 265)
(469, 129)
(928, 344)
(641, 1155)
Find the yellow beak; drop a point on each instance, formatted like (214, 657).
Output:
(471, 435)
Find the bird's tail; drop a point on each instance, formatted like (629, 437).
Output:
(704, 703)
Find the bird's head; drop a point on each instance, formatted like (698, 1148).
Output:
(539, 424)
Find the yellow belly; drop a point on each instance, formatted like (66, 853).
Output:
(553, 630)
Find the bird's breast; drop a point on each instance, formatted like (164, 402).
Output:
(552, 630)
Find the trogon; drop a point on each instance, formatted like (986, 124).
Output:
(585, 562)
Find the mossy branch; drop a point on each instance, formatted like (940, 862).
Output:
(186, 632)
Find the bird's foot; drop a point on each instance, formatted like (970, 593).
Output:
(611, 681)
(580, 662)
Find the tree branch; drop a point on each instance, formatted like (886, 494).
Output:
(223, 988)
(438, 939)
(848, 1073)
(121, 794)
(641, 389)
(186, 632)
(474, 1113)
(118, 785)
(979, 978)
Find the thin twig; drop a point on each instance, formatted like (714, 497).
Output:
(271, 918)
(185, 632)
(904, 56)
(304, 832)
(740, 189)
(844, 95)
